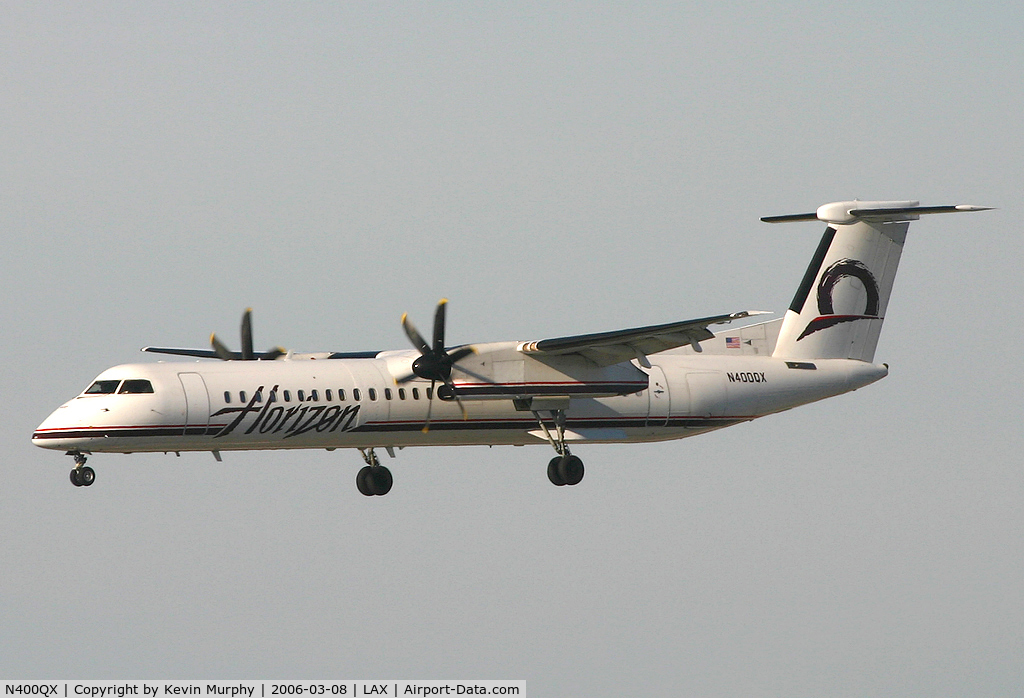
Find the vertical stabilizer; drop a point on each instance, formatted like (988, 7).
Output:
(839, 307)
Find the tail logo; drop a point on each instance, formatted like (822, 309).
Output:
(826, 287)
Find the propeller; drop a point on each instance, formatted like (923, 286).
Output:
(434, 362)
(247, 353)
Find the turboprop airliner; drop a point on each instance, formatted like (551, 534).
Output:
(643, 384)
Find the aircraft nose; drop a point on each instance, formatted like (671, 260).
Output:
(52, 432)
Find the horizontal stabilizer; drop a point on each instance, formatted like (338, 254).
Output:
(846, 212)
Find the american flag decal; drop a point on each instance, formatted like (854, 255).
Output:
(732, 342)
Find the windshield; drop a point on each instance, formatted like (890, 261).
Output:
(132, 386)
(102, 388)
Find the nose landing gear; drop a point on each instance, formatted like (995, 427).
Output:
(81, 475)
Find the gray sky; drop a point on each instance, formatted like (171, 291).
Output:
(552, 169)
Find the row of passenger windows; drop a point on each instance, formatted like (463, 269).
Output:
(329, 395)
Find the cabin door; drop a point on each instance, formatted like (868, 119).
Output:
(197, 404)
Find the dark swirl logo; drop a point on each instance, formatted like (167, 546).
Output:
(826, 287)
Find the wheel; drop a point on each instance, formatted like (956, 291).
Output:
(76, 478)
(86, 475)
(553, 474)
(570, 470)
(380, 480)
(363, 481)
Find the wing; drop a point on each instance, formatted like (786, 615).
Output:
(607, 348)
(262, 355)
(212, 354)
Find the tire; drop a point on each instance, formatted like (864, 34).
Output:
(363, 481)
(553, 472)
(571, 470)
(380, 480)
(76, 479)
(87, 475)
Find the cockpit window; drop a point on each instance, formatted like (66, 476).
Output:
(103, 388)
(136, 386)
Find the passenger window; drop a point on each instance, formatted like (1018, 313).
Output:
(373, 394)
(401, 393)
(227, 397)
(355, 394)
(287, 396)
(415, 393)
(302, 396)
(429, 392)
(341, 395)
(241, 396)
(387, 393)
(259, 396)
(103, 388)
(327, 395)
(136, 387)
(314, 396)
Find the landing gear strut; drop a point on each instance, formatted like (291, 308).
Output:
(373, 478)
(82, 475)
(565, 468)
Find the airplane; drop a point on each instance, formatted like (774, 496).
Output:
(644, 384)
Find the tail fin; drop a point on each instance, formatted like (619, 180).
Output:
(838, 309)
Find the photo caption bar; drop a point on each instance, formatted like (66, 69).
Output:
(259, 689)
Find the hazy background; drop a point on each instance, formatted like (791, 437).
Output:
(552, 169)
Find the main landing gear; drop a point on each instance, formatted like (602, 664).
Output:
(565, 468)
(373, 478)
(81, 475)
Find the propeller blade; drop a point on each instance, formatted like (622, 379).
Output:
(415, 337)
(430, 405)
(247, 351)
(459, 354)
(406, 378)
(439, 317)
(222, 351)
(455, 394)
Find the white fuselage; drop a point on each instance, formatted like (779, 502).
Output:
(356, 403)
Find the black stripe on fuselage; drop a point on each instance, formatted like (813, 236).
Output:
(570, 424)
(127, 432)
(409, 426)
(532, 389)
